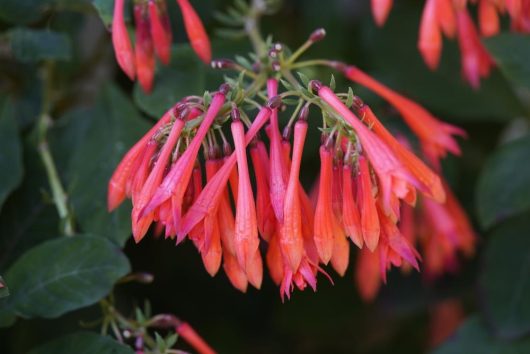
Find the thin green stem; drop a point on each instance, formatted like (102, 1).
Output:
(295, 112)
(303, 64)
(245, 71)
(59, 195)
(301, 50)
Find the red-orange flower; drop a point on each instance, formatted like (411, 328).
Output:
(395, 180)
(350, 212)
(265, 213)
(326, 224)
(452, 18)
(435, 136)
(123, 48)
(153, 36)
(196, 33)
(192, 337)
(246, 232)
(369, 219)
(176, 181)
(291, 239)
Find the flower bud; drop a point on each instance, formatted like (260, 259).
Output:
(317, 35)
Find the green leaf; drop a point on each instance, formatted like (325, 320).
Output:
(505, 279)
(160, 343)
(30, 45)
(171, 340)
(472, 337)
(511, 53)
(28, 217)
(83, 343)
(10, 153)
(23, 11)
(332, 84)
(186, 75)
(115, 126)
(4, 290)
(303, 78)
(349, 99)
(63, 275)
(105, 9)
(26, 95)
(503, 189)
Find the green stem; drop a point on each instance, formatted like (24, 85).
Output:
(60, 198)
(306, 63)
(252, 28)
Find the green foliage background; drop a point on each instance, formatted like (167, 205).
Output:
(54, 282)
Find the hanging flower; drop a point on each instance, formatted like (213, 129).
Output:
(452, 19)
(153, 36)
(367, 190)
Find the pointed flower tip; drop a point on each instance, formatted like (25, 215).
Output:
(431, 55)
(114, 199)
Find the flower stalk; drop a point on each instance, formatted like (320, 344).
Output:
(59, 196)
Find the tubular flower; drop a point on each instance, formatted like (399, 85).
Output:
(381, 10)
(291, 239)
(367, 189)
(265, 213)
(153, 36)
(452, 19)
(436, 137)
(350, 212)
(197, 36)
(325, 219)
(193, 338)
(395, 179)
(246, 234)
(444, 232)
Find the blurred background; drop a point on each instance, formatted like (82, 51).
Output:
(411, 314)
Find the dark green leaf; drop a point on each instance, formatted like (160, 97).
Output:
(7, 318)
(83, 343)
(512, 53)
(23, 11)
(105, 9)
(28, 216)
(114, 127)
(66, 135)
(472, 337)
(63, 275)
(10, 153)
(186, 75)
(25, 96)
(505, 279)
(30, 45)
(503, 189)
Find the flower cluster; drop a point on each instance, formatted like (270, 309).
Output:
(452, 19)
(368, 185)
(153, 37)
